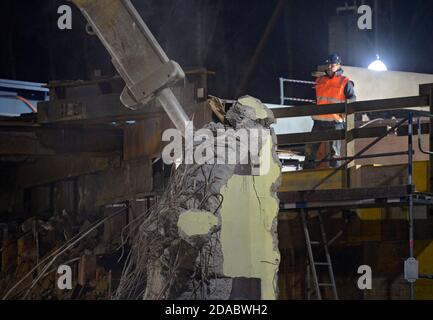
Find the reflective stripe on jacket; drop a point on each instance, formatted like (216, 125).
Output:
(328, 91)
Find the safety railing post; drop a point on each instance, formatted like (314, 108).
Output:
(282, 91)
(410, 183)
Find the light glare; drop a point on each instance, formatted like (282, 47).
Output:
(377, 65)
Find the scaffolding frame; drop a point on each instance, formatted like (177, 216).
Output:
(354, 198)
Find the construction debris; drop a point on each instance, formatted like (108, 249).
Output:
(39, 247)
(170, 250)
(175, 247)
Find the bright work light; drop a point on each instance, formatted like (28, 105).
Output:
(377, 65)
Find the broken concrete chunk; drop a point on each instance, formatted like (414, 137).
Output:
(260, 112)
(196, 223)
(248, 112)
(225, 222)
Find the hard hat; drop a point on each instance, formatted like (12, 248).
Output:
(333, 58)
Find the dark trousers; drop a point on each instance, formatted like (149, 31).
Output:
(334, 146)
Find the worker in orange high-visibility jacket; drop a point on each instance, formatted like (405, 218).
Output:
(332, 87)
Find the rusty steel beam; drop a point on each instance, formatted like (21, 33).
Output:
(72, 108)
(20, 144)
(117, 184)
(51, 169)
(40, 141)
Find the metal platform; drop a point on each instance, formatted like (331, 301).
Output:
(391, 196)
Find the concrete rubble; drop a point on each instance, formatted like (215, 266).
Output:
(185, 246)
(176, 250)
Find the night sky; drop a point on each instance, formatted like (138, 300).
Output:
(221, 35)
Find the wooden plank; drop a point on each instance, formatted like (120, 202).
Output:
(307, 110)
(388, 104)
(360, 106)
(306, 179)
(390, 175)
(343, 194)
(330, 135)
(310, 137)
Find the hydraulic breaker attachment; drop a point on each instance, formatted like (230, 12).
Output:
(136, 55)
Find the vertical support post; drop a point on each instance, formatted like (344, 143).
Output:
(410, 149)
(350, 145)
(431, 141)
(410, 182)
(308, 281)
(282, 91)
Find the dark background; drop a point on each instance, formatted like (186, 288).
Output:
(222, 35)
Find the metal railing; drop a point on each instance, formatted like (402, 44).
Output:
(404, 126)
(283, 98)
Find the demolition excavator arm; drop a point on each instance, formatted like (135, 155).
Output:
(136, 55)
